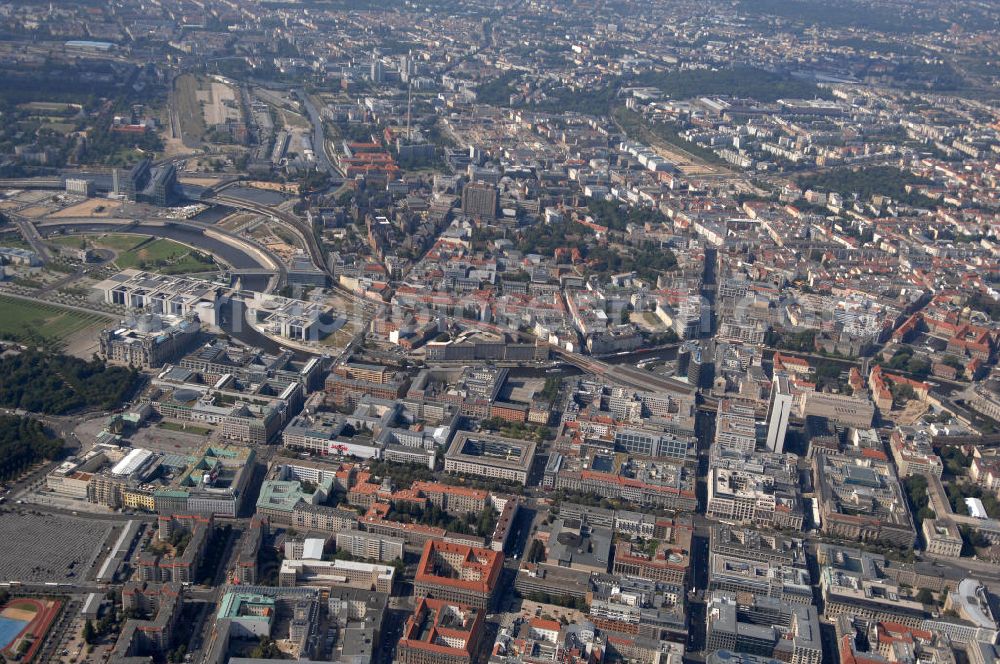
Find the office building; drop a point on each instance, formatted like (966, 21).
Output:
(458, 573)
(19, 256)
(913, 453)
(759, 488)
(441, 632)
(376, 73)
(632, 606)
(760, 545)
(778, 412)
(653, 443)
(850, 411)
(479, 199)
(637, 481)
(79, 187)
(735, 426)
(297, 320)
(217, 359)
(742, 574)
(763, 626)
(161, 189)
(942, 537)
(301, 270)
(350, 381)
(863, 641)
(358, 616)
(330, 573)
(729, 657)
(490, 456)
(242, 414)
(129, 183)
(246, 570)
(455, 500)
(251, 615)
(213, 482)
(162, 294)
(291, 502)
(855, 583)
(248, 613)
(668, 562)
(860, 498)
(370, 546)
(576, 545)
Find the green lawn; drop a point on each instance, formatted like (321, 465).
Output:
(60, 127)
(67, 240)
(284, 235)
(14, 241)
(187, 265)
(144, 252)
(164, 256)
(339, 339)
(114, 241)
(41, 321)
(119, 241)
(48, 106)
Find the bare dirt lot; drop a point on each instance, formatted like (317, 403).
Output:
(200, 181)
(218, 103)
(282, 187)
(34, 212)
(94, 207)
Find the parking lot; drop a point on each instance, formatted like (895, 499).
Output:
(40, 548)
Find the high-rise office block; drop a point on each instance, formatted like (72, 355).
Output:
(375, 72)
(132, 182)
(479, 199)
(778, 412)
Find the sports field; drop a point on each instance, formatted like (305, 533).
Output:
(10, 628)
(24, 622)
(26, 320)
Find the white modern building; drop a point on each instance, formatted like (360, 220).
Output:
(778, 413)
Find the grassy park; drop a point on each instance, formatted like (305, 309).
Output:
(113, 241)
(165, 256)
(24, 320)
(145, 252)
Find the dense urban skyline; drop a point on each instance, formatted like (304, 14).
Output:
(439, 332)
